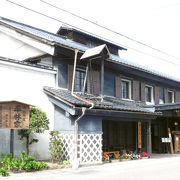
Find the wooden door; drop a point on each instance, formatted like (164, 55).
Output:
(177, 143)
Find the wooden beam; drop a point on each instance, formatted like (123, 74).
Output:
(120, 114)
(171, 143)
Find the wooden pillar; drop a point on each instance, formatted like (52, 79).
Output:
(139, 136)
(149, 143)
(12, 142)
(171, 143)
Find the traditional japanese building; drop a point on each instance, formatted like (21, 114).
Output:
(100, 101)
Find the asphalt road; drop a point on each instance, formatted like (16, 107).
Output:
(166, 168)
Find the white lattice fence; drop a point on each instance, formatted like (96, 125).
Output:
(68, 146)
(90, 146)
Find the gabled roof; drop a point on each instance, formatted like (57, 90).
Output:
(109, 103)
(55, 39)
(65, 27)
(40, 34)
(95, 52)
(14, 101)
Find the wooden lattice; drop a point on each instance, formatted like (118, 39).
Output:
(89, 147)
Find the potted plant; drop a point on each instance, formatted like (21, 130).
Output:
(125, 157)
(105, 157)
(115, 157)
(144, 155)
(136, 156)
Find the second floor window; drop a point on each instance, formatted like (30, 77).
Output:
(79, 81)
(109, 84)
(126, 89)
(149, 94)
(170, 96)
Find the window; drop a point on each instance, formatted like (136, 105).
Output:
(126, 89)
(109, 84)
(149, 94)
(79, 81)
(170, 96)
(91, 44)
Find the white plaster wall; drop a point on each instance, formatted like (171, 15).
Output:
(26, 86)
(16, 37)
(16, 49)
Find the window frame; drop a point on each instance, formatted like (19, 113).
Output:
(129, 87)
(152, 94)
(173, 96)
(81, 71)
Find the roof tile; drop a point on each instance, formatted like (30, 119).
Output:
(109, 103)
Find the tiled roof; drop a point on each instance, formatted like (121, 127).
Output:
(42, 34)
(66, 27)
(167, 106)
(109, 103)
(54, 38)
(26, 63)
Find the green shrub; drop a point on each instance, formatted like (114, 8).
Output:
(9, 162)
(4, 172)
(38, 123)
(55, 145)
(27, 163)
(64, 162)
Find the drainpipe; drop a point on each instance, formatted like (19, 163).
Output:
(102, 78)
(74, 71)
(76, 162)
(149, 143)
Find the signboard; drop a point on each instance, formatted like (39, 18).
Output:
(139, 135)
(166, 140)
(14, 115)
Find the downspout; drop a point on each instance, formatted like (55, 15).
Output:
(102, 78)
(76, 162)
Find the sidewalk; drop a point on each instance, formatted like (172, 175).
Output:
(158, 156)
(159, 167)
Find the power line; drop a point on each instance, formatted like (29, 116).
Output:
(89, 32)
(108, 29)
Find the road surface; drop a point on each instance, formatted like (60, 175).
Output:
(166, 168)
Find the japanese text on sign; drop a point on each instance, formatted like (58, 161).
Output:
(14, 115)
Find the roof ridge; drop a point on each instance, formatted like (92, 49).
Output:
(27, 25)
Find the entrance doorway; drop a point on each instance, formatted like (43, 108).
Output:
(119, 136)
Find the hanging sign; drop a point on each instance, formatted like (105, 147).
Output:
(14, 115)
(139, 135)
